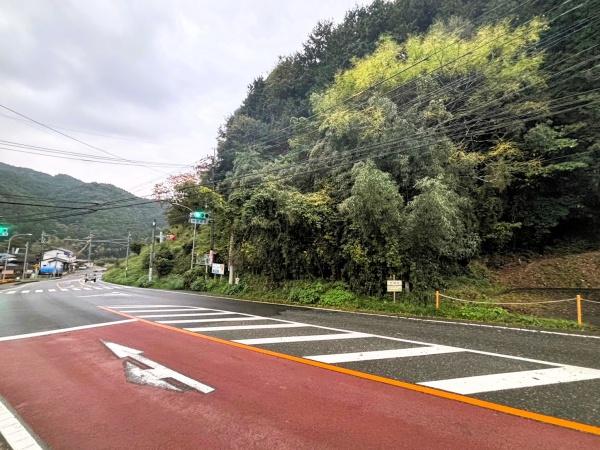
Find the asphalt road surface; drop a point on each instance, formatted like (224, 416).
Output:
(95, 365)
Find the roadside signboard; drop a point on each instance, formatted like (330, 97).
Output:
(394, 285)
(218, 269)
(3, 231)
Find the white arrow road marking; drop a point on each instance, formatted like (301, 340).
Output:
(158, 375)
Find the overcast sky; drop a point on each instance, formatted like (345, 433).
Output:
(147, 80)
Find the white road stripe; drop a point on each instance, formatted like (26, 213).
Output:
(39, 290)
(217, 319)
(87, 289)
(313, 337)
(75, 289)
(249, 327)
(25, 292)
(153, 306)
(154, 310)
(384, 354)
(63, 290)
(98, 288)
(514, 380)
(11, 292)
(16, 435)
(64, 330)
(158, 316)
(51, 290)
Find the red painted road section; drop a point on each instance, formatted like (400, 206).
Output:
(72, 391)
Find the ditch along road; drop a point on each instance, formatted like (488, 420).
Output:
(96, 365)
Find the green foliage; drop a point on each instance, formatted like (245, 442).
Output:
(338, 297)
(191, 275)
(305, 296)
(164, 260)
(199, 284)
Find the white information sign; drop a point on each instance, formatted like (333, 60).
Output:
(394, 285)
(218, 269)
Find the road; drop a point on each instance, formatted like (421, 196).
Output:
(283, 377)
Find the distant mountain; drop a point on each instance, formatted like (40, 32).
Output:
(120, 211)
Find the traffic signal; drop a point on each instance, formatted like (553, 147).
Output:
(200, 215)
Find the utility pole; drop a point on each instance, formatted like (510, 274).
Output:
(25, 261)
(214, 185)
(152, 251)
(42, 241)
(193, 247)
(127, 254)
(90, 249)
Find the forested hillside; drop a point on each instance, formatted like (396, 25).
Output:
(21, 188)
(412, 138)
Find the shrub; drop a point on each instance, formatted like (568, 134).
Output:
(164, 261)
(192, 275)
(304, 295)
(174, 282)
(233, 289)
(143, 282)
(337, 297)
(199, 284)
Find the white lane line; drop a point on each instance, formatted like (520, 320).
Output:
(87, 289)
(11, 292)
(63, 289)
(106, 287)
(39, 290)
(154, 310)
(75, 289)
(64, 330)
(51, 290)
(98, 288)
(249, 327)
(384, 354)
(25, 292)
(313, 337)
(216, 319)
(16, 435)
(514, 380)
(202, 314)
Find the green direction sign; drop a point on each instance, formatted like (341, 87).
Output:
(199, 217)
(3, 231)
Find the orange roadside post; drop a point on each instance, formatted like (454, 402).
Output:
(579, 315)
(437, 300)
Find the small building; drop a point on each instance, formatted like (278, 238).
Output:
(57, 261)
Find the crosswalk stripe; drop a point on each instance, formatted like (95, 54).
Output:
(154, 310)
(313, 337)
(514, 380)
(191, 308)
(160, 316)
(11, 292)
(218, 319)
(384, 354)
(25, 292)
(51, 290)
(39, 290)
(249, 327)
